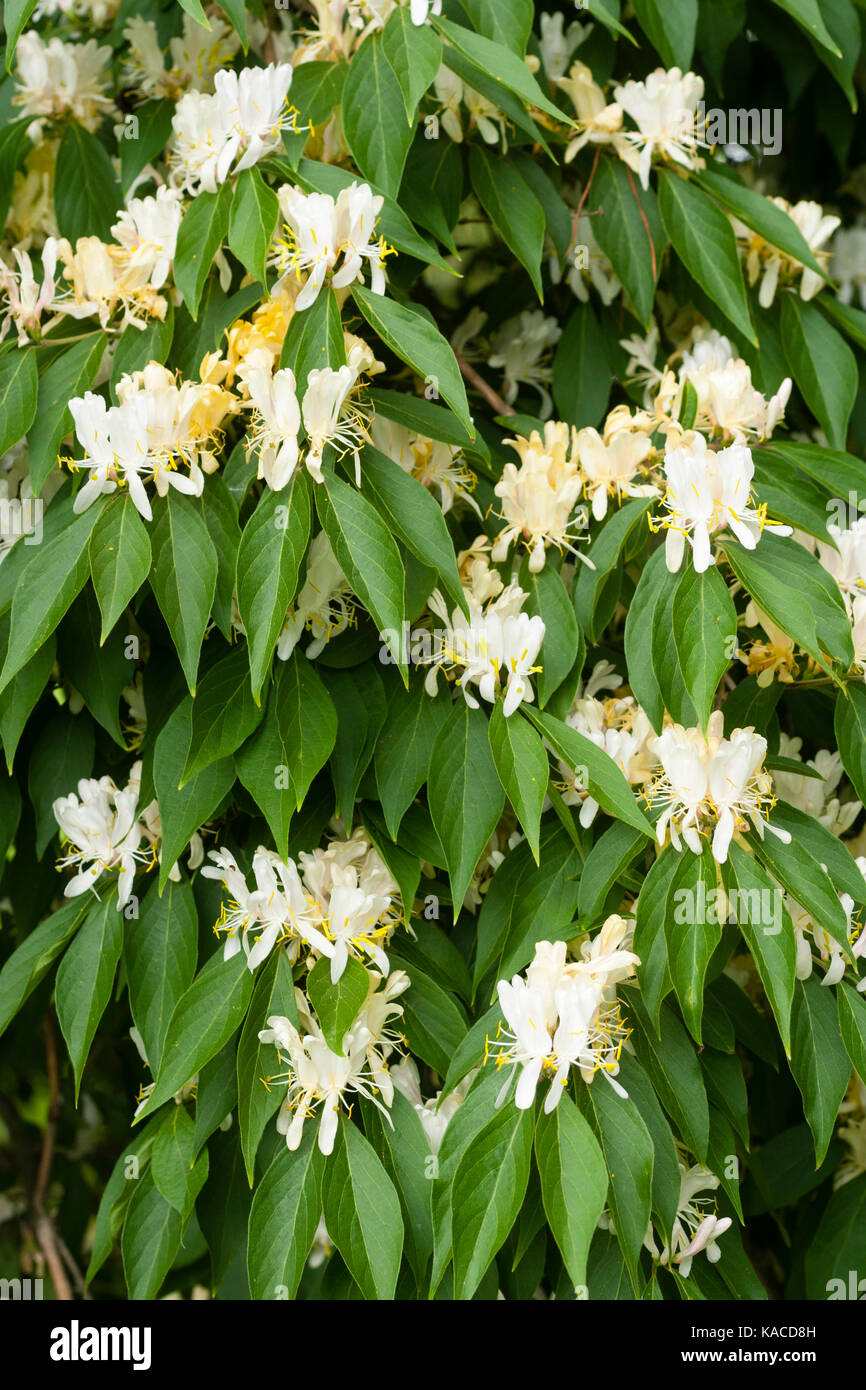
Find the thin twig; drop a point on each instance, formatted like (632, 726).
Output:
(44, 1226)
(583, 197)
(492, 397)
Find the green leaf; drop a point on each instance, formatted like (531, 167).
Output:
(15, 18)
(307, 721)
(705, 633)
(183, 576)
(773, 948)
(414, 52)
(629, 232)
(207, 1014)
(522, 767)
(807, 13)
(203, 231)
(70, 374)
(823, 846)
(806, 880)
(374, 118)
(337, 1002)
(759, 213)
(403, 1148)
(548, 597)
(182, 813)
(269, 559)
(176, 1173)
(359, 699)
(86, 192)
(159, 952)
(316, 90)
(512, 207)
(119, 554)
(666, 1168)
(57, 573)
(819, 1063)
(464, 795)
(253, 218)
(704, 240)
(404, 749)
(368, 556)
(852, 1022)
(795, 590)
(286, 1208)
(150, 1240)
(414, 515)
(416, 341)
(63, 755)
(224, 714)
(592, 601)
(654, 589)
(117, 1195)
(574, 1182)
(487, 1193)
(582, 374)
(504, 68)
(598, 772)
(19, 384)
(822, 364)
(32, 960)
(628, 1156)
(693, 932)
(362, 1213)
(608, 859)
(433, 1023)
(670, 26)
(850, 731)
(836, 1254)
(154, 133)
(274, 994)
(85, 977)
(670, 1061)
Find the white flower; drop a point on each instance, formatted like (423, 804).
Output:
(610, 464)
(846, 559)
(317, 231)
(276, 417)
(329, 416)
(849, 264)
(435, 1114)
(148, 229)
(556, 43)
(521, 347)
(27, 300)
(324, 607)
(101, 832)
(767, 261)
(816, 797)
(196, 55)
(622, 730)
(231, 129)
(419, 10)
(539, 497)
(727, 400)
(707, 491)
(712, 783)
(495, 648)
(695, 1228)
(599, 122)
(276, 910)
(56, 79)
(563, 1015)
(663, 107)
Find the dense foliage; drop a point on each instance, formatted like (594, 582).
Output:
(432, 649)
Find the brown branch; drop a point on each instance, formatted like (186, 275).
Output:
(43, 1224)
(644, 221)
(492, 397)
(583, 197)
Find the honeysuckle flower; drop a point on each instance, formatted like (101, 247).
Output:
(664, 108)
(816, 797)
(559, 1017)
(352, 893)
(231, 129)
(100, 280)
(420, 10)
(852, 1133)
(727, 400)
(599, 121)
(539, 497)
(707, 491)
(276, 910)
(324, 607)
(522, 349)
(435, 1114)
(610, 464)
(845, 559)
(147, 229)
(848, 251)
(775, 658)
(622, 730)
(588, 265)
(496, 648)
(766, 261)
(317, 1076)
(451, 93)
(435, 464)
(195, 56)
(331, 417)
(710, 784)
(55, 79)
(556, 43)
(27, 300)
(276, 417)
(100, 832)
(832, 953)
(318, 229)
(695, 1228)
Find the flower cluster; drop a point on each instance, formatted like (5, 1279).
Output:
(561, 1014)
(495, 648)
(230, 129)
